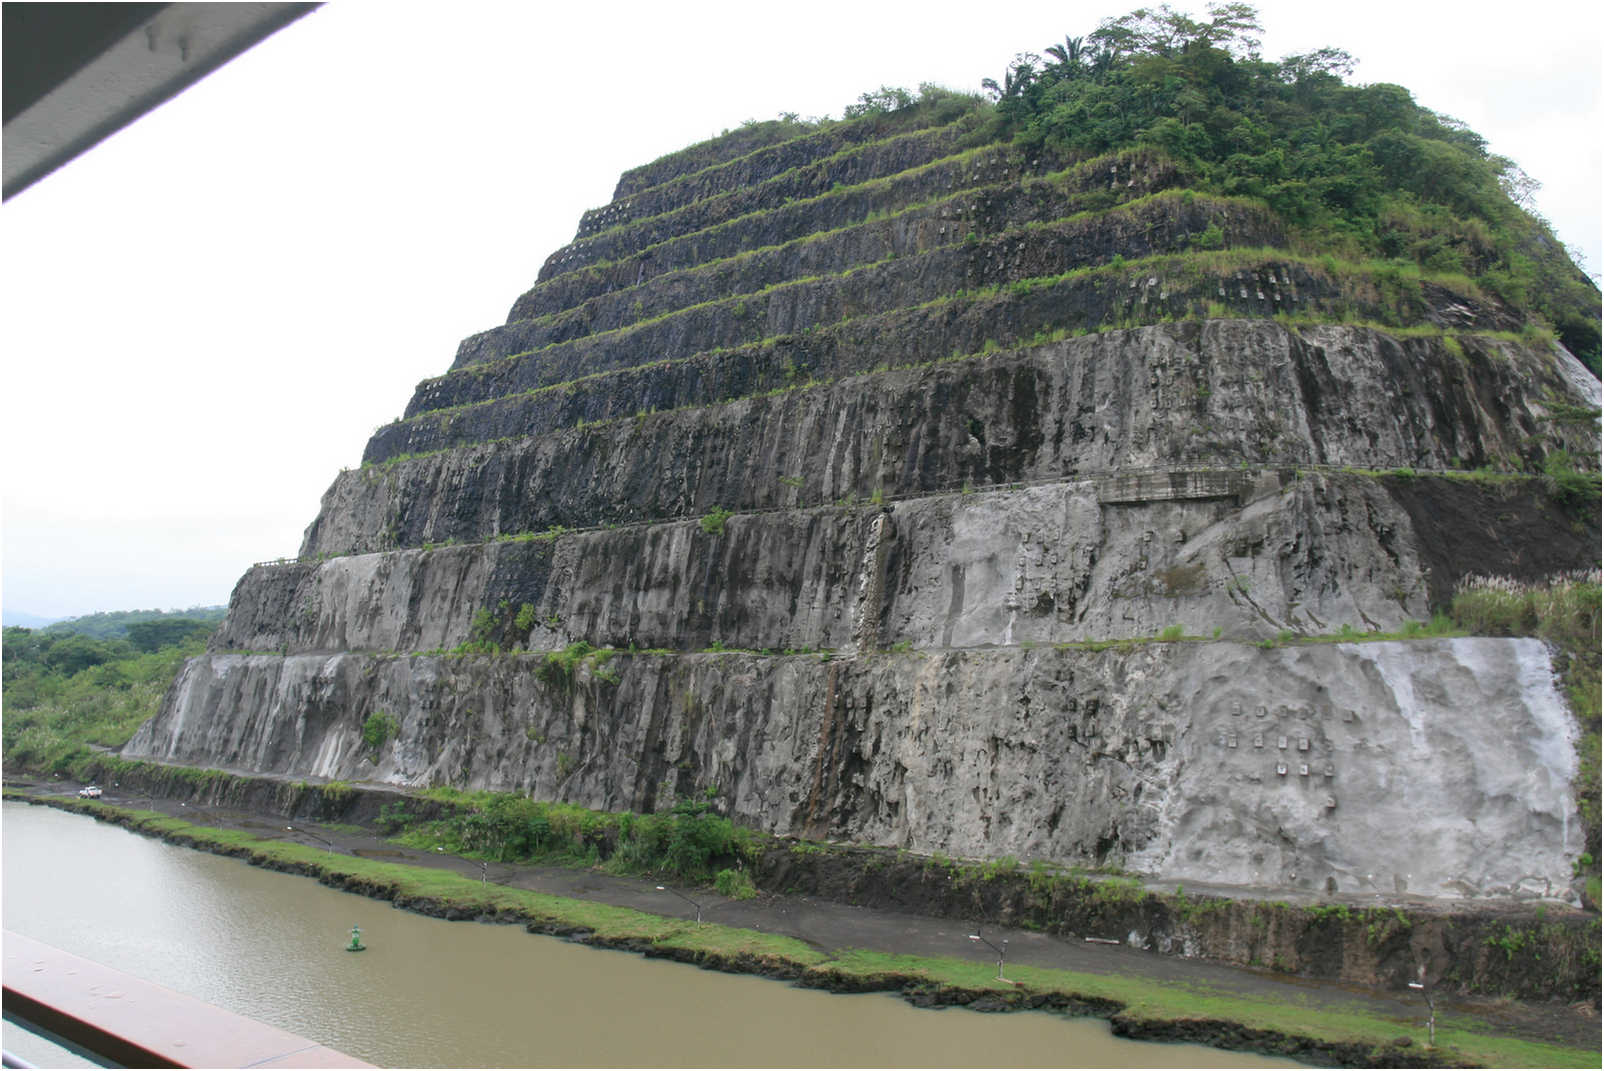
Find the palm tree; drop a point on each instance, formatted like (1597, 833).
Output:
(1068, 56)
(1103, 62)
(1021, 74)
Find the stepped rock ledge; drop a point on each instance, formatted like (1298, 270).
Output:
(936, 494)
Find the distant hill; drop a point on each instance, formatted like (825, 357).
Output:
(113, 624)
(23, 619)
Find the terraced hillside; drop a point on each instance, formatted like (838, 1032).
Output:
(892, 481)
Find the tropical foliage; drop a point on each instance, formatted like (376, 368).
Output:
(1357, 170)
(66, 692)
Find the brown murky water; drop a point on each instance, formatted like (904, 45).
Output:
(434, 993)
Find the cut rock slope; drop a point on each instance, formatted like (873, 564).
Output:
(924, 492)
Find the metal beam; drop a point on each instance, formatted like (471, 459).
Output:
(77, 73)
(138, 1023)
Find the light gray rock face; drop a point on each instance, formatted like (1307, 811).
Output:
(1435, 768)
(1439, 767)
(1238, 555)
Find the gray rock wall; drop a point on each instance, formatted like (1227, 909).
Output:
(749, 407)
(853, 166)
(723, 307)
(605, 298)
(1224, 393)
(1239, 555)
(803, 168)
(1349, 766)
(943, 191)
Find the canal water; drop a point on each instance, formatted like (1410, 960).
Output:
(462, 994)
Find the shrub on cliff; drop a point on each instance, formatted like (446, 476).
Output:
(379, 727)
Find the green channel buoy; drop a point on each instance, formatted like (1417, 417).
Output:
(356, 944)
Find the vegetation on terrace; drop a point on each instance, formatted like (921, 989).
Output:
(875, 115)
(865, 201)
(1356, 174)
(805, 180)
(1146, 213)
(1389, 195)
(688, 842)
(1359, 170)
(1067, 187)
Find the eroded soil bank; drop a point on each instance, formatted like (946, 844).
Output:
(1529, 951)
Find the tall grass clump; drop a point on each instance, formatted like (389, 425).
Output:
(688, 842)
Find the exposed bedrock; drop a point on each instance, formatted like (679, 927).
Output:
(719, 316)
(1027, 309)
(850, 167)
(1245, 554)
(810, 233)
(795, 325)
(1346, 766)
(769, 148)
(759, 142)
(1219, 392)
(872, 268)
(924, 492)
(804, 166)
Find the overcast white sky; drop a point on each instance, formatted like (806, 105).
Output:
(206, 316)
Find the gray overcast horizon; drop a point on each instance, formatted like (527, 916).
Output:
(206, 316)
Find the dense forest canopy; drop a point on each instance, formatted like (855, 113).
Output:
(36, 661)
(1360, 171)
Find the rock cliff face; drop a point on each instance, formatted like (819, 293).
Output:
(930, 493)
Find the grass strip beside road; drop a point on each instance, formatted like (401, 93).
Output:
(1461, 1040)
(1142, 999)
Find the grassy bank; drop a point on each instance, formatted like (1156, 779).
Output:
(1138, 1007)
